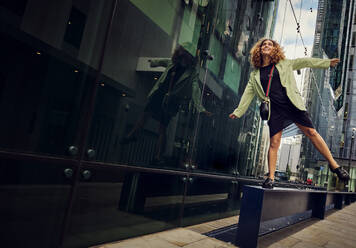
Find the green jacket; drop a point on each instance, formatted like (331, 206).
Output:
(185, 88)
(285, 68)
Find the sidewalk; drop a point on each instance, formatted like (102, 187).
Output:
(337, 230)
(179, 237)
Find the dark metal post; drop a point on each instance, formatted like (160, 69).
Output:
(327, 178)
(327, 167)
(350, 156)
(331, 151)
(250, 219)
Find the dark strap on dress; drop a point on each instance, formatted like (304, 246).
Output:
(269, 81)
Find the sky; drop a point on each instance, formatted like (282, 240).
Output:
(290, 40)
(286, 34)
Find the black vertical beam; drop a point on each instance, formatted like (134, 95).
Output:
(347, 199)
(338, 201)
(319, 204)
(250, 217)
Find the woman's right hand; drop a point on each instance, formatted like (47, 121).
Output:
(233, 116)
(334, 62)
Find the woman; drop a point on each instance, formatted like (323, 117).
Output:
(286, 104)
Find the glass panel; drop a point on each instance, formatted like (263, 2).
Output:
(34, 197)
(144, 115)
(114, 204)
(52, 50)
(210, 199)
(223, 145)
(177, 69)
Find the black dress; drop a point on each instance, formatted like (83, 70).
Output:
(283, 111)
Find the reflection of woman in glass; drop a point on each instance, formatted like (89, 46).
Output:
(286, 103)
(177, 84)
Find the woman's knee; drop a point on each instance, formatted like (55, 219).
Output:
(275, 142)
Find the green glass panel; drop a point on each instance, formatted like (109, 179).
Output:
(190, 29)
(161, 12)
(216, 50)
(232, 73)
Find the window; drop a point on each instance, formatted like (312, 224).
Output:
(351, 63)
(353, 43)
(348, 86)
(346, 113)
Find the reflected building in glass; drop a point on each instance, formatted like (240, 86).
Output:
(115, 116)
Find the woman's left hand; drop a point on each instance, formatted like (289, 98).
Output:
(334, 62)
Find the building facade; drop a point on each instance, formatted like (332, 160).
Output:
(79, 76)
(289, 156)
(326, 93)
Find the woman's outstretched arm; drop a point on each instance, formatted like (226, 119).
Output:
(301, 63)
(246, 99)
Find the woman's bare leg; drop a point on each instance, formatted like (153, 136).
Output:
(275, 141)
(319, 144)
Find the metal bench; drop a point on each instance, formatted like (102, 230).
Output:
(263, 210)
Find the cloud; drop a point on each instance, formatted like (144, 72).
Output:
(287, 34)
(290, 40)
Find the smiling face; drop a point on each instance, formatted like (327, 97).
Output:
(266, 47)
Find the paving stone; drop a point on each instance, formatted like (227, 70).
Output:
(334, 244)
(180, 236)
(305, 244)
(343, 242)
(209, 243)
(284, 243)
(151, 242)
(213, 225)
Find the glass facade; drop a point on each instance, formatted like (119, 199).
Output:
(115, 116)
(330, 97)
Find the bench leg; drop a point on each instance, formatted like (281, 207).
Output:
(347, 200)
(250, 217)
(319, 201)
(338, 201)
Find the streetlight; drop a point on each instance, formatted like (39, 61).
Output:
(350, 155)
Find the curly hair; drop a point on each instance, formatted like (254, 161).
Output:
(277, 53)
